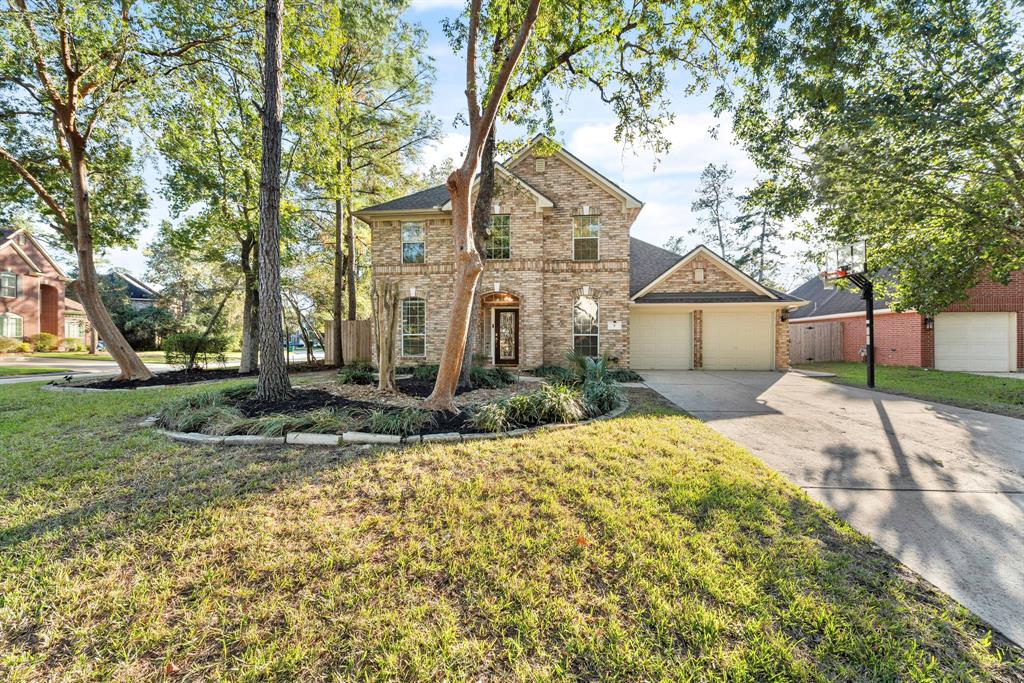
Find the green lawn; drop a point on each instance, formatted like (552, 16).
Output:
(981, 392)
(148, 356)
(13, 371)
(642, 548)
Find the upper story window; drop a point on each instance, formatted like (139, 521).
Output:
(499, 239)
(414, 327)
(11, 326)
(585, 326)
(414, 245)
(8, 284)
(585, 234)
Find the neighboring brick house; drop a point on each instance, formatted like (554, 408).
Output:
(562, 272)
(31, 289)
(984, 332)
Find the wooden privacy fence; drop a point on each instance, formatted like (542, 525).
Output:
(356, 341)
(812, 342)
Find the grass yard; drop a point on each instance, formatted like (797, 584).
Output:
(147, 356)
(15, 371)
(642, 548)
(1004, 396)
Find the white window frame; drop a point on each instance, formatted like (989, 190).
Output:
(79, 326)
(423, 235)
(7, 275)
(596, 238)
(402, 332)
(6, 319)
(487, 256)
(597, 323)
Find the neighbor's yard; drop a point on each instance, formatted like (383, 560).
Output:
(14, 371)
(642, 548)
(1004, 396)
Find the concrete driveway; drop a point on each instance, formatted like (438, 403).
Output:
(940, 488)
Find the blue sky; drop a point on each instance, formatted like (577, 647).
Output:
(667, 185)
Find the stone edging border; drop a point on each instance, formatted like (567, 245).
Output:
(366, 438)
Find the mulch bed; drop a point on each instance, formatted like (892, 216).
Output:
(174, 377)
(305, 400)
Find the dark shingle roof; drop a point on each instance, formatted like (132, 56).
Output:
(647, 262)
(430, 198)
(830, 302)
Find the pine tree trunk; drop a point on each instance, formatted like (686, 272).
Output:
(128, 361)
(250, 322)
(350, 263)
(338, 358)
(385, 320)
(273, 382)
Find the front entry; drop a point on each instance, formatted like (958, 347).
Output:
(506, 336)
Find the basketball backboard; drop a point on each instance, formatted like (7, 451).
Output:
(844, 261)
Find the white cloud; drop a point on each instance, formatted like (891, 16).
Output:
(427, 5)
(451, 146)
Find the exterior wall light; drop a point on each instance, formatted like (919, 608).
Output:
(929, 322)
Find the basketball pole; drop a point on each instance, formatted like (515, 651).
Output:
(869, 297)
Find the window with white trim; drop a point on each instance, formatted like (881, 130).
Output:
(414, 245)
(499, 239)
(585, 234)
(11, 326)
(585, 326)
(9, 284)
(414, 327)
(74, 327)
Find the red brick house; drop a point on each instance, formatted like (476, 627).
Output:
(983, 333)
(32, 290)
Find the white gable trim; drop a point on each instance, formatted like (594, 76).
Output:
(721, 262)
(24, 257)
(542, 201)
(10, 241)
(628, 200)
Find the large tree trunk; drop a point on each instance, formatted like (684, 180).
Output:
(482, 209)
(385, 320)
(250, 322)
(128, 361)
(338, 358)
(273, 382)
(350, 263)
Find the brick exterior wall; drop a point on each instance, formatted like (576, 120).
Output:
(716, 279)
(781, 341)
(901, 338)
(541, 271)
(38, 290)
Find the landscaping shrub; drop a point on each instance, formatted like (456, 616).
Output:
(277, 424)
(403, 422)
(601, 397)
(44, 341)
(555, 373)
(625, 376)
(359, 372)
(490, 378)
(190, 349)
(425, 372)
(522, 409)
(559, 403)
(10, 345)
(334, 421)
(73, 345)
(242, 392)
(191, 413)
(490, 417)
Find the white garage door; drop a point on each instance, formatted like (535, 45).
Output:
(981, 342)
(660, 339)
(739, 340)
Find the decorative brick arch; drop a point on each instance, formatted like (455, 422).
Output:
(588, 291)
(504, 297)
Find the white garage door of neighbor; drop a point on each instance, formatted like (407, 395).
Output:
(739, 340)
(980, 342)
(660, 339)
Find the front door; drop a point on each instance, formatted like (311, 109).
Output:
(506, 336)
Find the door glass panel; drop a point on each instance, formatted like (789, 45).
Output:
(506, 335)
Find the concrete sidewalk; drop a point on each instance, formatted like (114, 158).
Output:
(940, 488)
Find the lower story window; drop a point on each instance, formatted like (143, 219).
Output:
(414, 327)
(585, 326)
(74, 328)
(11, 326)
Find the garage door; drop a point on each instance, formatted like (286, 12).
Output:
(739, 340)
(660, 340)
(981, 342)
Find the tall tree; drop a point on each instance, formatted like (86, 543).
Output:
(72, 81)
(713, 205)
(273, 381)
(905, 123)
(468, 263)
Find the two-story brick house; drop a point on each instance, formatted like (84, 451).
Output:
(32, 290)
(562, 272)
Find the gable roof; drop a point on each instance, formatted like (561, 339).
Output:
(137, 289)
(825, 302)
(647, 262)
(7, 239)
(430, 199)
(611, 186)
(542, 201)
